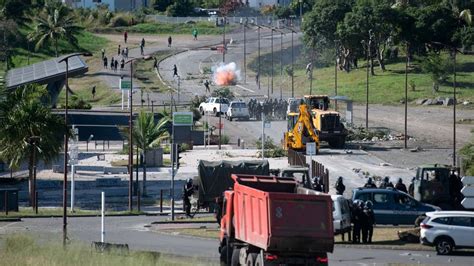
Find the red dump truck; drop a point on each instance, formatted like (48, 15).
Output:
(268, 220)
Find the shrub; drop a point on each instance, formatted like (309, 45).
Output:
(224, 93)
(225, 139)
(121, 20)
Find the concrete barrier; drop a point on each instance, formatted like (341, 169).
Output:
(115, 170)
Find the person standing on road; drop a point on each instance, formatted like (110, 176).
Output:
(206, 84)
(370, 183)
(103, 53)
(105, 62)
(175, 71)
(142, 48)
(369, 221)
(126, 52)
(119, 50)
(143, 42)
(122, 64)
(386, 183)
(400, 186)
(356, 220)
(115, 65)
(155, 63)
(340, 187)
(195, 34)
(188, 192)
(125, 36)
(257, 76)
(112, 61)
(93, 92)
(170, 40)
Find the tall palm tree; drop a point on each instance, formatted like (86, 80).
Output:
(147, 134)
(55, 22)
(23, 116)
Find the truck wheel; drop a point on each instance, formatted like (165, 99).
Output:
(235, 257)
(251, 258)
(259, 261)
(224, 256)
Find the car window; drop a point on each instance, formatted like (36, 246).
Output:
(364, 196)
(345, 207)
(238, 105)
(404, 200)
(461, 221)
(442, 220)
(381, 198)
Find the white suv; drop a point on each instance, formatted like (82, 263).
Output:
(237, 109)
(447, 230)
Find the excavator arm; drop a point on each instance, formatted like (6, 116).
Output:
(302, 132)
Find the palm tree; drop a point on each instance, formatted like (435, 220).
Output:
(147, 134)
(24, 116)
(55, 22)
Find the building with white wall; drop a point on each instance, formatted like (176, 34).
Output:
(114, 5)
(259, 3)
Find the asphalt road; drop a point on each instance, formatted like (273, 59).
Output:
(132, 230)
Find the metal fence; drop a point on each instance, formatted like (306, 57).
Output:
(269, 21)
(321, 172)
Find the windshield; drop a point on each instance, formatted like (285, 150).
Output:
(238, 105)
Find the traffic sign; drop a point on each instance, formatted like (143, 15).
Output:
(268, 124)
(74, 154)
(468, 192)
(125, 84)
(311, 148)
(182, 118)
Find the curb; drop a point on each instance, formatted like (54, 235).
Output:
(386, 247)
(16, 219)
(183, 222)
(74, 216)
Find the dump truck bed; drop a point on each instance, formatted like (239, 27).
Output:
(271, 215)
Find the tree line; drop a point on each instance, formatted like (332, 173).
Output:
(370, 29)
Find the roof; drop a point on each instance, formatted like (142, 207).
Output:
(377, 190)
(45, 72)
(435, 165)
(450, 213)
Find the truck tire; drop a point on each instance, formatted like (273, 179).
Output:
(251, 258)
(224, 257)
(234, 261)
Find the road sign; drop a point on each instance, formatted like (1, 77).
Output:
(182, 118)
(468, 192)
(125, 84)
(74, 154)
(311, 148)
(268, 124)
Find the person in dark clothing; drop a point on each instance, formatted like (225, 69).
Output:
(122, 64)
(370, 183)
(368, 222)
(340, 187)
(112, 62)
(115, 65)
(119, 50)
(318, 184)
(206, 84)
(143, 43)
(142, 49)
(105, 62)
(170, 40)
(411, 187)
(103, 53)
(400, 186)
(175, 71)
(93, 92)
(125, 36)
(386, 183)
(188, 191)
(356, 219)
(155, 63)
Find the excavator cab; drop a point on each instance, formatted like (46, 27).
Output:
(320, 102)
(300, 130)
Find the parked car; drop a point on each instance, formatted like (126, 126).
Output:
(392, 206)
(447, 230)
(341, 214)
(214, 105)
(237, 110)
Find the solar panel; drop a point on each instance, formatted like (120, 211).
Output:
(45, 72)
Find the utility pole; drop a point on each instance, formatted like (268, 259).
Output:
(335, 72)
(245, 52)
(405, 145)
(281, 65)
(292, 66)
(272, 63)
(223, 43)
(454, 106)
(258, 59)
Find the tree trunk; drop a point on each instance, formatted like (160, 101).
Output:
(435, 87)
(380, 57)
(30, 178)
(56, 46)
(144, 174)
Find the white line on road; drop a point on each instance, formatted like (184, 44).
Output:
(242, 87)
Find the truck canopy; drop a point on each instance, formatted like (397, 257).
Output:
(215, 176)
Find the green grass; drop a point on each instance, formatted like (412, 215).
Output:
(24, 250)
(47, 212)
(384, 88)
(143, 71)
(204, 28)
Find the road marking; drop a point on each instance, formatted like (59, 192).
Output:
(242, 87)
(5, 226)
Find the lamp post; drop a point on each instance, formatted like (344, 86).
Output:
(130, 130)
(281, 64)
(272, 62)
(223, 42)
(33, 141)
(259, 72)
(245, 52)
(405, 145)
(335, 71)
(66, 60)
(292, 65)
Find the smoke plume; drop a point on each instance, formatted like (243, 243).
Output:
(226, 74)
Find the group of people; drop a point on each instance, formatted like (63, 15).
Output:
(387, 184)
(271, 108)
(363, 219)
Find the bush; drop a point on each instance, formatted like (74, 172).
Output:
(271, 150)
(225, 139)
(121, 20)
(197, 100)
(196, 114)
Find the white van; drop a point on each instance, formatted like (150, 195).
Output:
(341, 214)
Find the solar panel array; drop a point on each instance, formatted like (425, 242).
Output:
(44, 71)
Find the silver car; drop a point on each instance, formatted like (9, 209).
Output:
(237, 110)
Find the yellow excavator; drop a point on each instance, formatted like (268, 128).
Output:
(300, 130)
(326, 122)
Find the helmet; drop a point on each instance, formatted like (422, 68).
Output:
(190, 180)
(369, 204)
(400, 180)
(386, 179)
(361, 204)
(369, 181)
(339, 179)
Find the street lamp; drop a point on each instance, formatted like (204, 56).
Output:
(66, 60)
(336, 47)
(367, 46)
(223, 42)
(405, 145)
(130, 130)
(258, 58)
(245, 52)
(33, 141)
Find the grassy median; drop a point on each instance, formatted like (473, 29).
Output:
(24, 250)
